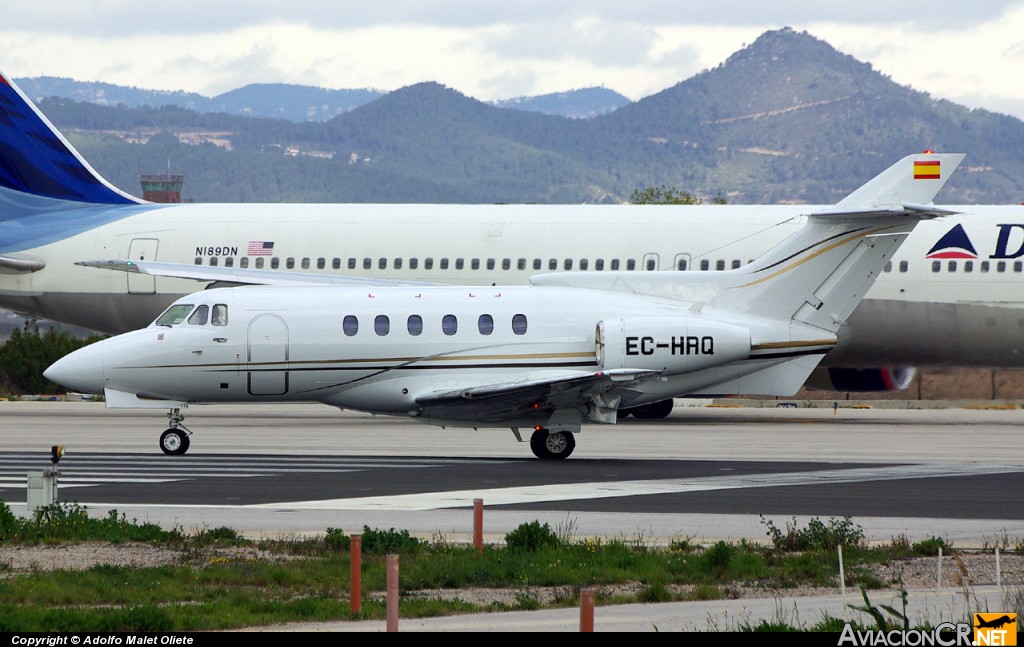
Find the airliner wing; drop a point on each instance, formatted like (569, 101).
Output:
(594, 390)
(240, 276)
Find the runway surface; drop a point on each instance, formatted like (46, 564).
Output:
(702, 474)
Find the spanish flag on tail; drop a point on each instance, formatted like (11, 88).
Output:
(926, 170)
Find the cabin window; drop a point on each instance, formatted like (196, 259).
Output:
(567, 264)
(1018, 266)
(428, 263)
(243, 262)
(350, 325)
(414, 263)
(936, 266)
(984, 266)
(259, 263)
(485, 324)
(351, 263)
(681, 264)
(367, 263)
(519, 324)
(506, 263)
(414, 325)
(521, 264)
(736, 264)
(705, 265)
(599, 264)
(631, 264)
(336, 263)
(652, 265)
(220, 315)
(174, 315)
(474, 264)
(968, 266)
(444, 263)
(904, 266)
(213, 261)
(888, 267)
(552, 263)
(1001, 266)
(200, 316)
(398, 264)
(951, 266)
(290, 263)
(321, 263)
(460, 263)
(382, 263)
(305, 263)
(584, 264)
(615, 264)
(229, 261)
(275, 263)
(449, 325)
(719, 265)
(537, 264)
(381, 325)
(199, 260)
(490, 263)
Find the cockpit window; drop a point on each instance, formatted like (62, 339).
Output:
(200, 316)
(220, 315)
(174, 315)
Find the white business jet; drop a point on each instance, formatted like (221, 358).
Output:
(571, 348)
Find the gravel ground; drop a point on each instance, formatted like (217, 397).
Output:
(963, 571)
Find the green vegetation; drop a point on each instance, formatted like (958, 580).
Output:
(218, 580)
(29, 352)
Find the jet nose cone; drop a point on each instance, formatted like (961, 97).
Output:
(83, 370)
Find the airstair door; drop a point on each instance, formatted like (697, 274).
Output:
(268, 355)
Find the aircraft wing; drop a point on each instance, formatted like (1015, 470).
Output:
(597, 390)
(239, 276)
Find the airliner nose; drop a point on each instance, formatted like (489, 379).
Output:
(83, 370)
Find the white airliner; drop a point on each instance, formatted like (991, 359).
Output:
(572, 347)
(949, 298)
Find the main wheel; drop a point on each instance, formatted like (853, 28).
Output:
(654, 410)
(549, 446)
(174, 442)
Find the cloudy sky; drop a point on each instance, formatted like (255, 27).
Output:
(968, 52)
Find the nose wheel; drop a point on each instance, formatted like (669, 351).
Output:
(174, 441)
(550, 446)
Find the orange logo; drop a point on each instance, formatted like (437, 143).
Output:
(995, 628)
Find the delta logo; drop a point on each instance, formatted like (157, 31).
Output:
(955, 244)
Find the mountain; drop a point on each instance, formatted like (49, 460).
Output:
(297, 103)
(786, 119)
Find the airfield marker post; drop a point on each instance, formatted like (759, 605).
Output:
(587, 610)
(355, 574)
(478, 525)
(392, 594)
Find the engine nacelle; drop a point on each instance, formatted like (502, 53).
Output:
(860, 380)
(671, 344)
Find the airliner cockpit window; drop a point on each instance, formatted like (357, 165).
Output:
(220, 315)
(200, 316)
(174, 315)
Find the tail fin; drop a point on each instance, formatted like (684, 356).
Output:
(36, 160)
(819, 275)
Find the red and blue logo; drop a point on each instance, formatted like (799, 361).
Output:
(955, 244)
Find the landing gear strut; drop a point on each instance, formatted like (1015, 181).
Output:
(548, 446)
(174, 441)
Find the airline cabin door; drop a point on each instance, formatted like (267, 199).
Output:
(267, 355)
(142, 249)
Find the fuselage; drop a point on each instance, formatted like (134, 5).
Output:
(944, 300)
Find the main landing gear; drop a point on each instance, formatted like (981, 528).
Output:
(174, 441)
(547, 445)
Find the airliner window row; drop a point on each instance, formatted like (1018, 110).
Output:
(983, 266)
(649, 263)
(414, 325)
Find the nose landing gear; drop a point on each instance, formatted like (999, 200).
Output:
(174, 441)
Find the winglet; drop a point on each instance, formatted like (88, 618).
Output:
(37, 160)
(915, 179)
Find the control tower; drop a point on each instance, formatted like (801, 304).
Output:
(162, 188)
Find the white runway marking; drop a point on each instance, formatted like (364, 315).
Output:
(610, 489)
